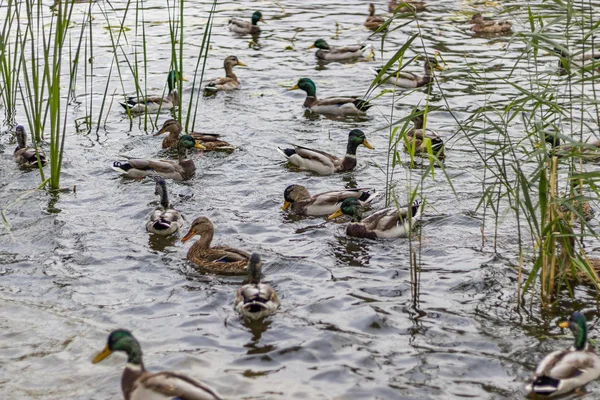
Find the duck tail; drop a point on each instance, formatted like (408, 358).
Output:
(545, 385)
(415, 209)
(121, 167)
(368, 196)
(362, 105)
(287, 153)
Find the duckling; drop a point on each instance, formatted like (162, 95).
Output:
(240, 26)
(340, 106)
(27, 156)
(340, 53)
(373, 22)
(323, 163)
(255, 300)
(219, 259)
(407, 6)
(155, 103)
(481, 25)
(408, 80)
(165, 220)
(138, 384)
(230, 81)
(389, 223)
(179, 171)
(416, 135)
(302, 203)
(566, 370)
(210, 141)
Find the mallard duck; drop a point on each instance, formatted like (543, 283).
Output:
(373, 22)
(481, 25)
(210, 141)
(138, 384)
(415, 136)
(165, 220)
(27, 156)
(179, 171)
(408, 80)
(323, 163)
(330, 105)
(389, 223)
(240, 26)
(219, 259)
(340, 53)
(406, 6)
(230, 81)
(588, 151)
(155, 103)
(255, 300)
(584, 60)
(302, 203)
(566, 370)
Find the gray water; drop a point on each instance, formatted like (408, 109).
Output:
(80, 264)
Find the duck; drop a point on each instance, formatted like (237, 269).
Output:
(27, 156)
(407, 6)
(219, 259)
(589, 151)
(210, 141)
(230, 81)
(481, 25)
(389, 223)
(563, 371)
(340, 106)
(416, 135)
(137, 383)
(155, 103)
(165, 220)
(323, 163)
(241, 26)
(373, 22)
(179, 171)
(340, 53)
(583, 60)
(323, 204)
(408, 80)
(256, 300)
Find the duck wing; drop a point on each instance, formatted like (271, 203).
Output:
(173, 385)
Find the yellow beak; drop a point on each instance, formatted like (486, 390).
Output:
(160, 132)
(286, 204)
(241, 64)
(367, 144)
(312, 46)
(199, 146)
(183, 78)
(564, 324)
(102, 355)
(336, 214)
(294, 88)
(440, 68)
(262, 20)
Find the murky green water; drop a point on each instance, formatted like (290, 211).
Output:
(350, 327)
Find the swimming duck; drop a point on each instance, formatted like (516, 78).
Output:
(323, 163)
(138, 384)
(154, 103)
(240, 26)
(407, 6)
(230, 81)
(255, 300)
(210, 141)
(584, 60)
(27, 156)
(415, 137)
(589, 151)
(389, 223)
(331, 105)
(340, 53)
(373, 22)
(179, 171)
(408, 80)
(566, 370)
(165, 220)
(302, 203)
(219, 259)
(481, 25)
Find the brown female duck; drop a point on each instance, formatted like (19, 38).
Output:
(230, 81)
(210, 141)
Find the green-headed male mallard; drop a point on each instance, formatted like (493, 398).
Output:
(302, 203)
(219, 259)
(230, 81)
(241, 26)
(340, 105)
(340, 53)
(139, 384)
(567, 61)
(27, 156)
(155, 103)
(406, 6)
(165, 220)
(421, 138)
(389, 223)
(566, 370)
(481, 25)
(179, 171)
(373, 22)
(408, 80)
(323, 163)
(209, 141)
(255, 300)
